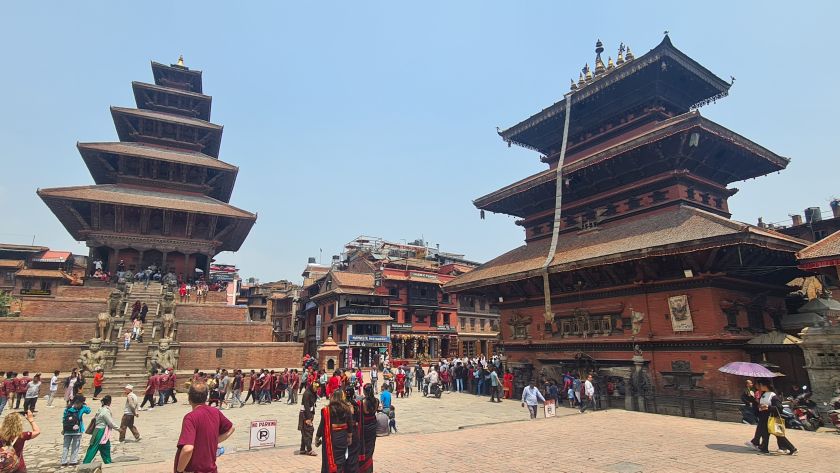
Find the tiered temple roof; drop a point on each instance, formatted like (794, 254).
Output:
(644, 174)
(162, 184)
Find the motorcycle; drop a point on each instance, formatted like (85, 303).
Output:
(791, 419)
(432, 390)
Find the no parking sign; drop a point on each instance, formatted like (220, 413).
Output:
(550, 408)
(263, 434)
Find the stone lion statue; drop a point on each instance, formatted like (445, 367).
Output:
(93, 358)
(114, 302)
(164, 357)
(103, 325)
(168, 304)
(168, 321)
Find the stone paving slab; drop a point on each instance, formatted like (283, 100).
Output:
(465, 433)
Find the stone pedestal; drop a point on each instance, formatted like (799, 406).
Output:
(639, 377)
(820, 345)
(628, 392)
(328, 355)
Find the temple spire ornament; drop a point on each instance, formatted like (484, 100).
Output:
(610, 64)
(599, 64)
(587, 73)
(581, 81)
(620, 60)
(181, 60)
(573, 86)
(630, 55)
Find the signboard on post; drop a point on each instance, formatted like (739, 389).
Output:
(263, 434)
(550, 408)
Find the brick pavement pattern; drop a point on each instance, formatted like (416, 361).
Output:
(465, 433)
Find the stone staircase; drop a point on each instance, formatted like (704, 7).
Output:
(130, 366)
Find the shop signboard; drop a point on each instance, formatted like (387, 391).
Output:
(368, 340)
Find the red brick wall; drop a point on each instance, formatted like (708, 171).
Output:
(217, 297)
(211, 312)
(48, 357)
(240, 355)
(19, 330)
(62, 307)
(196, 331)
(84, 292)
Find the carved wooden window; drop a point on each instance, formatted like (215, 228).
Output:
(519, 331)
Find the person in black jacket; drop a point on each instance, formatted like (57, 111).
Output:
(749, 411)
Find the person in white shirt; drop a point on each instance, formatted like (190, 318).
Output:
(53, 388)
(530, 397)
(589, 395)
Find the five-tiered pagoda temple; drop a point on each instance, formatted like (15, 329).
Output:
(642, 265)
(161, 194)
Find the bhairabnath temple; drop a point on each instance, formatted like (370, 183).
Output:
(631, 260)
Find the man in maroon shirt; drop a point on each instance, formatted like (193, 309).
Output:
(20, 388)
(202, 430)
(149, 393)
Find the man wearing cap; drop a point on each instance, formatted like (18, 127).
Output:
(129, 414)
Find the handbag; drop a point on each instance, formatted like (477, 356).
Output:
(776, 426)
(91, 427)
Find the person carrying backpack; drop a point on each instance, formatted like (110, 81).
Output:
(12, 440)
(72, 429)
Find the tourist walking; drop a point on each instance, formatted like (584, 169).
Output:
(98, 378)
(100, 442)
(53, 389)
(588, 395)
(334, 433)
(144, 310)
(495, 385)
(237, 388)
(126, 340)
(306, 417)
(72, 428)
(769, 405)
(70, 386)
(374, 378)
(149, 392)
(202, 430)
(419, 374)
(21, 385)
(4, 394)
(12, 435)
(531, 396)
(33, 390)
(129, 414)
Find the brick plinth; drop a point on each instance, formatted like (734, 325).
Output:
(62, 307)
(47, 357)
(193, 330)
(46, 329)
(211, 312)
(239, 355)
(85, 292)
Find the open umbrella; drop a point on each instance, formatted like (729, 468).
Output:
(743, 368)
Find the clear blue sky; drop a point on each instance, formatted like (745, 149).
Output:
(379, 118)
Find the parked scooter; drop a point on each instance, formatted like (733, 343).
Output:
(791, 420)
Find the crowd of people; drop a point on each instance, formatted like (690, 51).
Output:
(356, 412)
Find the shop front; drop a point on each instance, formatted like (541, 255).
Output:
(365, 350)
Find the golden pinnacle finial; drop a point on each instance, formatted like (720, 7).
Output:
(620, 60)
(587, 73)
(574, 86)
(599, 64)
(630, 55)
(581, 81)
(610, 64)
(181, 60)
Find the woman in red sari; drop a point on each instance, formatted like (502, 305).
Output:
(335, 433)
(401, 383)
(507, 382)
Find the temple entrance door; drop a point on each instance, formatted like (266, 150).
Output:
(101, 253)
(175, 263)
(151, 258)
(202, 264)
(585, 364)
(444, 347)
